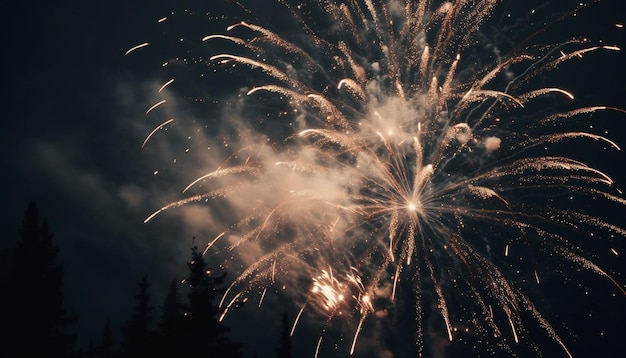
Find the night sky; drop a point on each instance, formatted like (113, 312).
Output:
(74, 121)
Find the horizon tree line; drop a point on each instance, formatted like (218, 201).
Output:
(36, 323)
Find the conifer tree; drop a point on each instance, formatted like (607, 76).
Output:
(138, 337)
(91, 350)
(206, 334)
(171, 322)
(285, 347)
(35, 322)
(106, 349)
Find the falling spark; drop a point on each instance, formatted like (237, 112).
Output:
(136, 47)
(295, 322)
(155, 106)
(212, 242)
(160, 126)
(262, 296)
(165, 85)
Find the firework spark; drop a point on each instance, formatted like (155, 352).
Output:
(409, 166)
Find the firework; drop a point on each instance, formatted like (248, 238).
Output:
(382, 156)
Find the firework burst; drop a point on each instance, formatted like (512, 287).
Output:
(408, 166)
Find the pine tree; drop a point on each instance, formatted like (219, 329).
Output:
(91, 350)
(35, 323)
(106, 347)
(285, 347)
(138, 338)
(171, 322)
(205, 333)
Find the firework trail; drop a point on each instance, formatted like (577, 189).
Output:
(408, 165)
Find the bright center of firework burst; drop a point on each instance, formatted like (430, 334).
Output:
(411, 206)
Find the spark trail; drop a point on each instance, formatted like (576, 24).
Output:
(407, 166)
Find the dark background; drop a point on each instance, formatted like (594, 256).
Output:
(73, 123)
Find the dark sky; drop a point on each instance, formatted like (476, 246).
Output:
(72, 137)
(73, 124)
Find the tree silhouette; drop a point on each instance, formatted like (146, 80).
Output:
(91, 350)
(204, 331)
(285, 348)
(35, 322)
(138, 338)
(106, 349)
(171, 322)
